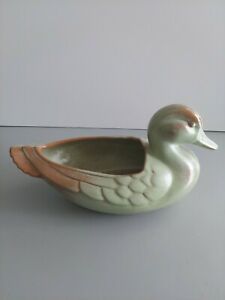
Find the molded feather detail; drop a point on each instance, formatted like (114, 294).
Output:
(91, 191)
(112, 197)
(139, 189)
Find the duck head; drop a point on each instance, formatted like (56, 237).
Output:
(178, 124)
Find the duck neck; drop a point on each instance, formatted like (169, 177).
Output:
(180, 160)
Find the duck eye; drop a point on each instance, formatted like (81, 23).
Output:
(191, 124)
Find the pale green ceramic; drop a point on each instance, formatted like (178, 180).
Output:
(123, 175)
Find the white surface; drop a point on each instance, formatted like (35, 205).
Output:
(51, 249)
(110, 63)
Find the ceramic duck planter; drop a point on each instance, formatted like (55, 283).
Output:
(123, 175)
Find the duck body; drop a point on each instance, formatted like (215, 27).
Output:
(127, 193)
(120, 175)
(154, 187)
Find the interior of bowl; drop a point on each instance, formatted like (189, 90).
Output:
(101, 154)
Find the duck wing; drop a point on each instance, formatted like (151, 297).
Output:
(148, 186)
(140, 189)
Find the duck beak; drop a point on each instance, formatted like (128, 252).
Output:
(204, 141)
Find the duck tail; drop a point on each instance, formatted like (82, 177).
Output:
(22, 161)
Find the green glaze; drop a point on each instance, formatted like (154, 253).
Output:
(170, 170)
(129, 175)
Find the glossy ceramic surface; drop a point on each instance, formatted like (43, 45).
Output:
(123, 175)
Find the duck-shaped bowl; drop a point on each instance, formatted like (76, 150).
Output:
(123, 175)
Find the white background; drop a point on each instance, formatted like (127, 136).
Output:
(110, 63)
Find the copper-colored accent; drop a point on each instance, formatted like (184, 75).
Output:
(22, 161)
(32, 161)
(189, 114)
(28, 161)
(50, 173)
